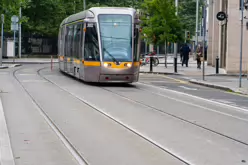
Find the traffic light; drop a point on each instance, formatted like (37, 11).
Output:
(188, 35)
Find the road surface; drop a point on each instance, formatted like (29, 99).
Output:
(55, 119)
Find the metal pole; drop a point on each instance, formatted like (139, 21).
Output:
(84, 4)
(1, 56)
(204, 35)
(241, 42)
(196, 24)
(14, 46)
(185, 35)
(175, 44)
(20, 33)
(165, 57)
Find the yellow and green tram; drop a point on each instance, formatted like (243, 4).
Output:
(101, 44)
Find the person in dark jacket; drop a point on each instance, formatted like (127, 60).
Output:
(185, 53)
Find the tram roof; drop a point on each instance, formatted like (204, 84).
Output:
(95, 11)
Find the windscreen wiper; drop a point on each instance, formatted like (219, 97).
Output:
(114, 59)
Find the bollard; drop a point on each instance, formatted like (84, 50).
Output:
(151, 60)
(217, 65)
(51, 62)
(175, 64)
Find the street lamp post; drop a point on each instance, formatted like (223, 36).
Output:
(1, 56)
(20, 32)
(204, 15)
(84, 4)
(241, 42)
(196, 23)
(175, 44)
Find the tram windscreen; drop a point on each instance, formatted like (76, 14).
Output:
(116, 37)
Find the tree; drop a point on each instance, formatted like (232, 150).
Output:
(10, 8)
(160, 22)
(43, 17)
(187, 14)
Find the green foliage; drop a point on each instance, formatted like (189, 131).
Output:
(43, 17)
(160, 22)
(187, 14)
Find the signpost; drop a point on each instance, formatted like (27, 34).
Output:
(1, 56)
(14, 27)
(204, 38)
(241, 42)
(221, 16)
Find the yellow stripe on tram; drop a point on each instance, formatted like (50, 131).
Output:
(77, 61)
(91, 63)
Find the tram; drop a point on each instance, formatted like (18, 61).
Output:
(101, 44)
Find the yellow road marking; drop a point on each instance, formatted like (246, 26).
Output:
(237, 94)
(177, 80)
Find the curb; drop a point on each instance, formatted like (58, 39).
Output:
(211, 85)
(228, 75)
(163, 73)
(221, 87)
(11, 66)
(4, 67)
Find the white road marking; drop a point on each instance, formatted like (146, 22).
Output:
(193, 89)
(31, 81)
(6, 155)
(27, 74)
(196, 97)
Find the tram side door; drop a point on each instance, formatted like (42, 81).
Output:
(67, 48)
(81, 73)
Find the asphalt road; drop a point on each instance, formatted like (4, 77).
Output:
(55, 119)
(180, 83)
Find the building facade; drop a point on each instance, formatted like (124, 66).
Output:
(224, 36)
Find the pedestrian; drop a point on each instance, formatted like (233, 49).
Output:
(185, 54)
(199, 52)
(181, 53)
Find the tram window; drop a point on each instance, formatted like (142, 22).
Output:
(77, 40)
(74, 49)
(68, 45)
(91, 47)
(66, 41)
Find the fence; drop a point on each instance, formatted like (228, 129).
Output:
(32, 45)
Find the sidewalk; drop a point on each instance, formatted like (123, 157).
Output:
(191, 70)
(227, 83)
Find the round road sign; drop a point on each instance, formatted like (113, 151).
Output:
(14, 19)
(221, 16)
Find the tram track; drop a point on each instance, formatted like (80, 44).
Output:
(136, 132)
(150, 107)
(174, 116)
(71, 148)
(128, 127)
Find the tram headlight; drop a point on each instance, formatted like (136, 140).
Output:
(129, 65)
(105, 65)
